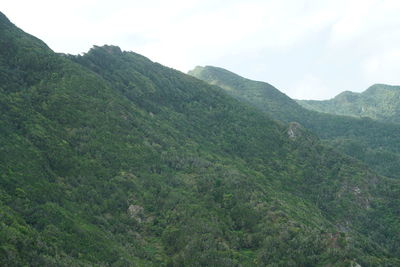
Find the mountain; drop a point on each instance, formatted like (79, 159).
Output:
(379, 102)
(260, 94)
(110, 159)
(373, 142)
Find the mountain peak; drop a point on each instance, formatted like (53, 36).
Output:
(379, 87)
(379, 102)
(211, 73)
(262, 94)
(347, 96)
(110, 49)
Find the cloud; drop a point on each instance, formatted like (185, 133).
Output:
(383, 66)
(341, 38)
(361, 20)
(310, 87)
(351, 21)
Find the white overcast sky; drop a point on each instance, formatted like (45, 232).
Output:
(307, 49)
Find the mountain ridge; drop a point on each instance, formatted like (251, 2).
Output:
(362, 138)
(110, 159)
(379, 102)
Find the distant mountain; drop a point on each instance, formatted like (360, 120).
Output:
(110, 159)
(373, 142)
(379, 102)
(261, 94)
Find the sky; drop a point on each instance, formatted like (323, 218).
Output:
(308, 49)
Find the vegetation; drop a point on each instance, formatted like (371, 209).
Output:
(109, 159)
(379, 102)
(374, 142)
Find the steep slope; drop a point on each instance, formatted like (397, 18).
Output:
(248, 145)
(379, 102)
(109, 159)
(262, 94)
(375, 143)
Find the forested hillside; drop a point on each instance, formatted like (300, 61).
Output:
(109, 159)
(373, 142)
(379, 102)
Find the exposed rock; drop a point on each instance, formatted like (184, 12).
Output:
(355, 264)
(356, 190)
(294, 130)
(136, 212)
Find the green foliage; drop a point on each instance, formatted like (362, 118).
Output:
(109, 159)
(373, 138)
(380, 102)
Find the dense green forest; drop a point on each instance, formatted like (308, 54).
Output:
(109, 159)
(377, 143)
(379, 102)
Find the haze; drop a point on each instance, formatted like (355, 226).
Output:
(307, 49)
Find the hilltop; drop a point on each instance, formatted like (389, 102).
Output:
(379, 102)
